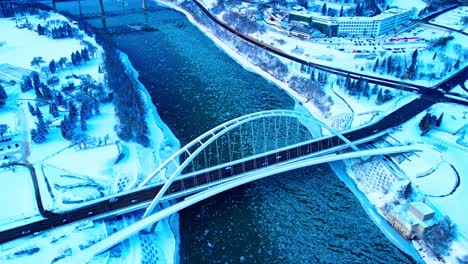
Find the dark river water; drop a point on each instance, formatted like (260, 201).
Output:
(303, 216)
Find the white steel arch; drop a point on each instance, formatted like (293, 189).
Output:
(99, 247)
(205, 139)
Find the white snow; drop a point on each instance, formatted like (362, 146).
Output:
(453, 18)
(416, 5)
(73, 172)
(17, 199)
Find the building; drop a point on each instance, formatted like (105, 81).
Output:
(381, 24)
(421, 211)
(412, 220)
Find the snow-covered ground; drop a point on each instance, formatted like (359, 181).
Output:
(74, 172)
(359, 55)
(453, 18)
(416, 5)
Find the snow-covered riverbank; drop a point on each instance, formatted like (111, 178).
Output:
(163, 144)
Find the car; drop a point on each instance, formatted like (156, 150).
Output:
(228, 170)
(134, 201)
(25, 232)
(113, 200)
(90, 213)
(375, 131)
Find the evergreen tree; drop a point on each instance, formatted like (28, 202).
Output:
(387, 96)
(341, 11)
(324, 9)
(85, 54)
(86, 111)
(27, 84)
(439, 120)
(37, 137)
(457, 64)
(375, 89)
(52, 66)
(53, 110)
(389, 65)
(60, 99)
(36, 80)
(62, 62)
(47, 94)
(83, 124)
(427, 122)
(66, 128)
(312, 75)
(38, 112)
(42, 127)
(384, 63)
(32, 110)
(379, 99)
(96, 108)
(435, 55)
(38, 92)
(414, 57)
(73, 112)
(78, 57)
(40, 29)
(73, 59)
(376, 65)
(347, 81)
(358, 10)
(3, 96)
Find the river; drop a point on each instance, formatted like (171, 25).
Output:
(303, 216)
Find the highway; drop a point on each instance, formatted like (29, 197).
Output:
(118, 202)
(369, 78)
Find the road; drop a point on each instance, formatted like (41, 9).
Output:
(369, 78)
(128, 199)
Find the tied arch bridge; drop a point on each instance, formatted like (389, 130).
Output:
(240, 151)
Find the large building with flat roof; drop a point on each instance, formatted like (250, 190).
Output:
(381, 24)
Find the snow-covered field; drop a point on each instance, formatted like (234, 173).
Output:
(74, 172)
(415, 5)
(453, 18)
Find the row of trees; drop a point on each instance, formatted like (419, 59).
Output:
(361, 87)
(242, 23)
(63, 31)
(128, 102)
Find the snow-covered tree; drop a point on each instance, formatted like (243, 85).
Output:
(37, 61)
(60, 99)
(37, 137)
(27, 84)
(3, 96)
(73, 112)
(3, 129)
(83, 124)
(53, 110)
(52, 66)
(66, 128)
